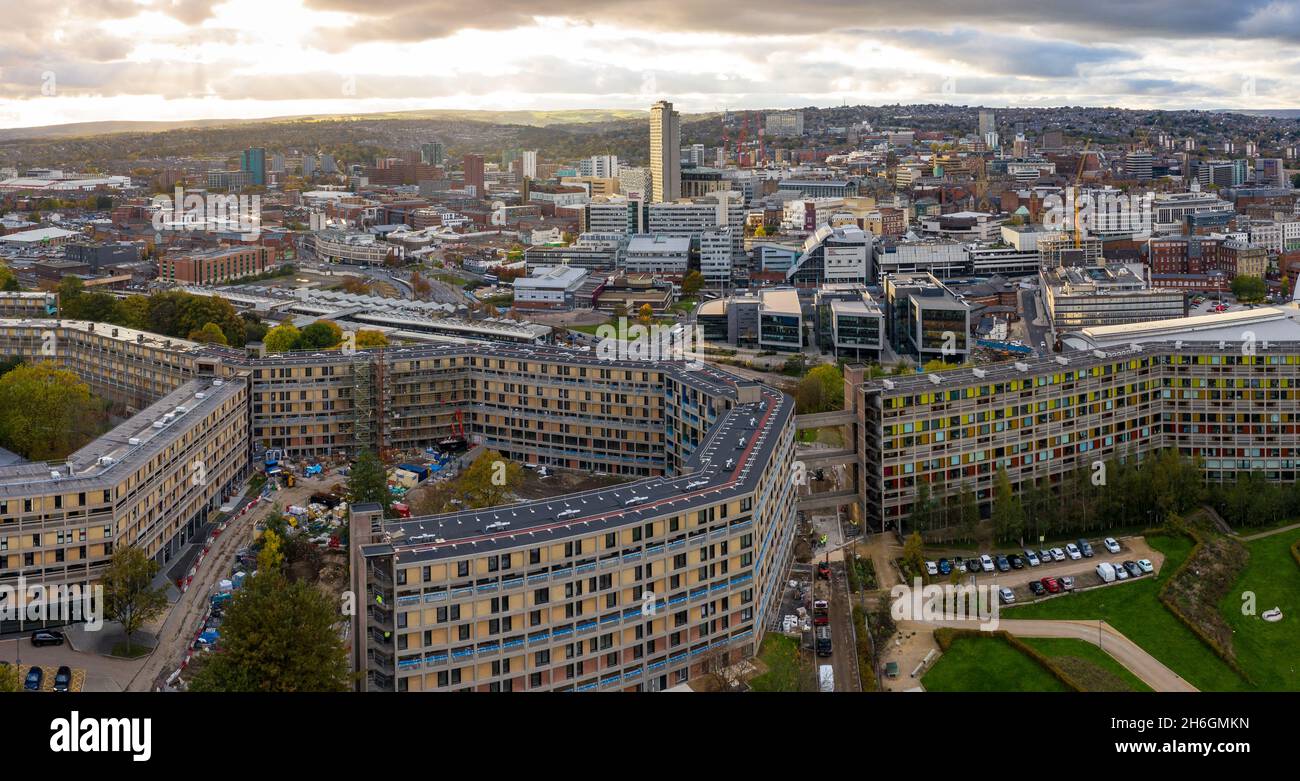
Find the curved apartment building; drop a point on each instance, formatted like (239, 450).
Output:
(631, 587)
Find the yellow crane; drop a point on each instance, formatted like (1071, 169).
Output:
(1078, 177)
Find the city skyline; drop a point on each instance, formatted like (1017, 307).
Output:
(200, 60)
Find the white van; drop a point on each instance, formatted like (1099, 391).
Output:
(826, 678)
(1106, 572)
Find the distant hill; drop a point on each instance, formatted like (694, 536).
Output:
(526, 118)
(1277, 113)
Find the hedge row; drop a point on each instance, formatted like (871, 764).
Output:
(866, 662)
(945, 636)
(1171, 604)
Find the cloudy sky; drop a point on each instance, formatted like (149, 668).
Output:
(86, 60)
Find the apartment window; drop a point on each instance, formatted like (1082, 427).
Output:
(462, 569)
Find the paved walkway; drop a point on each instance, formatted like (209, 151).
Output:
(1270, 532)
(1142, 664)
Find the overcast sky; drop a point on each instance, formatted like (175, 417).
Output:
(85, 60)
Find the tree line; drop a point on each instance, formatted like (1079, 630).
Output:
(1114, 493)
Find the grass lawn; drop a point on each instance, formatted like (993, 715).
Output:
(781, 655)
(988, 664)
(1091, 666)
(1270, 652)
(1135, 610)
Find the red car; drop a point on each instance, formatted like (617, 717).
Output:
(1052, 585)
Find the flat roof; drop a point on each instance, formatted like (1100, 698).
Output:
(83, 469)
(722, 466)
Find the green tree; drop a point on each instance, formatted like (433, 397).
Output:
(924, 507)
(9, 681)
(321, 335)
(1248, 288)
(129, 596)
(46, 412)
(8, 282)
(368, 481)
(277, 636)
(970, 512)
(282, 338)
(1008, 515)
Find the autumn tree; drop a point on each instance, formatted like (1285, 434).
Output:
(210, 333)
(129, 596)
(46, 412)
(490, 480)
(367, 339)
(282, 338)
(914, 552)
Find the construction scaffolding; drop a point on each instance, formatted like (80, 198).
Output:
(365, 420)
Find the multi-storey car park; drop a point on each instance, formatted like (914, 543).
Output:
(1236, 405)
(707, 530)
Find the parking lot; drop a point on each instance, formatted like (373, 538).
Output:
(1083, 569)
(77, 683)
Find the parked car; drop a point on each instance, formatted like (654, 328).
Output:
(1145, 566)
(1006, 595)
(47, 637)
(1067, 583)
(1003, 564)
(986, 563)
(1106, 571)
(35, 677)
(945, 567)
(1045, 556)
(1052, 585)
(1085, 548)
(821, 613)
(1120, 572)
(931, 568)
(63, 679)
(823, 570)
(958, 563)
(1111, 544)
(1133, 568)
(1072, 551)
(1058, 554)
(1016, 561)
(824, 641)
(1032, 558)
(1037, 588)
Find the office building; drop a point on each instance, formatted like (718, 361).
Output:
(1106, 294)
(850, 324)
(253, 162)
(472, 168)
(665, 145)
(833, 255)
(212, 266)
(785, 123)
(924, 319)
